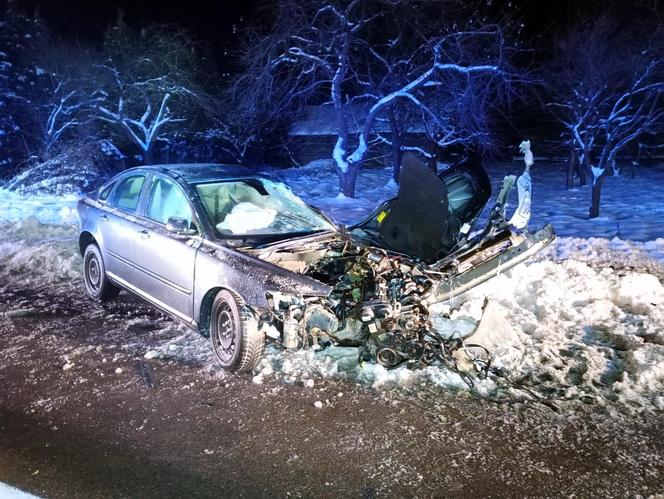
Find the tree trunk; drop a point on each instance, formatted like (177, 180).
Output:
(432, 163)
(596, 195)
(581, 171)
(571, 168)
(637, 162)
(348, 179)
(148, 157)
(396, 146)
(584, 168)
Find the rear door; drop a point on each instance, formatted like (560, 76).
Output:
(119, 228)
(166, 259)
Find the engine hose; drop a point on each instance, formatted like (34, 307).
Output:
(448, 360)
(499, 374)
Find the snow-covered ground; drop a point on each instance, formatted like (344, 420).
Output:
(583, 322)
(9, 492)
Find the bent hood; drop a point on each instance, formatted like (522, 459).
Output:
(431, 212)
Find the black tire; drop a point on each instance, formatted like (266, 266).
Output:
(236, 340)
(97, 283)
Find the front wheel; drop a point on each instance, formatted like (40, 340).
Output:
(236, 340)
(97, 283)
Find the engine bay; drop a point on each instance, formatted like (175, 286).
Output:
(379, 303)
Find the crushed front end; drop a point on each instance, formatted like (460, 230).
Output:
(387, 272)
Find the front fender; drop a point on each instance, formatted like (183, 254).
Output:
(248, 276)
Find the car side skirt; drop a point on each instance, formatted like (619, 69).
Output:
(188, 321)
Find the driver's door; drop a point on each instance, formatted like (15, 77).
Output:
(167, 259)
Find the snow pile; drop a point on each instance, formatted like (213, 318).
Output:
(603, 251)
(57, 210)
(39, 252)
(73, 171)
(587, 333)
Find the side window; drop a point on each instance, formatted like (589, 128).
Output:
(103, 195)
(128, 193)
(167, 201)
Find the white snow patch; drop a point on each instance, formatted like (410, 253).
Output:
(152, 354)
(38, 252)
(9, 492)
(60, 210)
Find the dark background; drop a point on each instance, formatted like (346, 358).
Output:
(218, 24)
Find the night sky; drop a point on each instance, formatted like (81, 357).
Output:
(215, 23)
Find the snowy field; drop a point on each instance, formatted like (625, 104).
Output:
(581, 324)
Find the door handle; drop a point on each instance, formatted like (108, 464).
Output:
(144, 234)
(103, 218)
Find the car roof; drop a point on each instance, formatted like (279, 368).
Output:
(194, 173)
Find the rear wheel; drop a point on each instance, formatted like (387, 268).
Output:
(236, 340)
(97, 283)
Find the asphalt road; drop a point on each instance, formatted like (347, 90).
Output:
(83, 414)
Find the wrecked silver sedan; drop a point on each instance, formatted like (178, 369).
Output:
(238, 257)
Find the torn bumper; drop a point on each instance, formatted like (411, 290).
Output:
(495, 258)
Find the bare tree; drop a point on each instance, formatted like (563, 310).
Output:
(20, 87)
(150, 84)
(606, 91)
(66, 100)
(325, 52)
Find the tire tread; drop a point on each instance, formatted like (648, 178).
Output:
(252, 339)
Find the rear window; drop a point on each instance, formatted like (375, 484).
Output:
(460, 193)
(128, 193)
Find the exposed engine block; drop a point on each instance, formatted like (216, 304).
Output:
(377, 304)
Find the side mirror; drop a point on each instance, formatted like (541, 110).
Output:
(180, 226)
